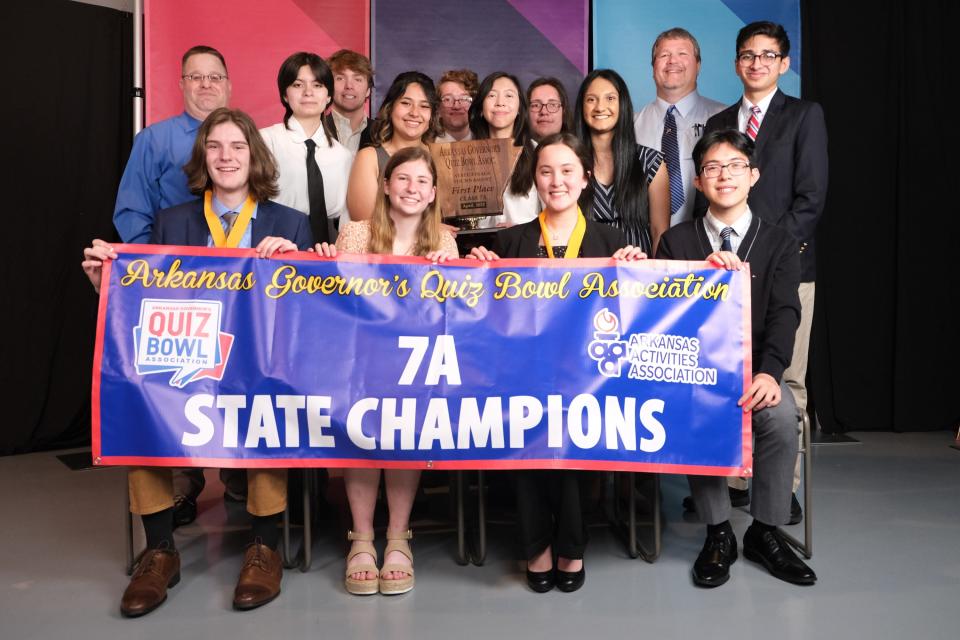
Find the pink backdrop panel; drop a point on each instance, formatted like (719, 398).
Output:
(254, 37)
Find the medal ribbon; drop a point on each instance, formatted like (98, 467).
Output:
(576, 237)
(220, 239)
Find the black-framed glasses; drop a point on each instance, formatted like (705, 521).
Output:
(214, 78)
(767, 58)
(552, 106)
(735, 168)
(450, 100)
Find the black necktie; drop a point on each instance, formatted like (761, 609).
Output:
(318, 205)
(725, 239)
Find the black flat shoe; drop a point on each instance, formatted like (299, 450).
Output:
(571, 581)
(796, 511)
(184, 510)
(540, 581)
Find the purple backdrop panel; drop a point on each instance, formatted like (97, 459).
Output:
(529, 38)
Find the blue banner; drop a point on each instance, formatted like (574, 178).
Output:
(218, 358)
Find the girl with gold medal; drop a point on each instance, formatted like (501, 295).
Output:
(549, 503)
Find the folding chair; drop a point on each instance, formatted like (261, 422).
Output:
(806, 545)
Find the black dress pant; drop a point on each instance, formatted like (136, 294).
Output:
(550, 512)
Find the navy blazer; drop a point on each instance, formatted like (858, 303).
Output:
(522, 240)
(791, 155)
(774, 279)
(185, 225)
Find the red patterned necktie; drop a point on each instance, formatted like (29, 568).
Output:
(753, 126)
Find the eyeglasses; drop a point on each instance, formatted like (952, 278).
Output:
(450, 100)
(552, 107)
(735, 168)
(767, 58)
(214, 78)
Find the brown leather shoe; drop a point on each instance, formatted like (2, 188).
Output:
(259, 581)
(157, 570)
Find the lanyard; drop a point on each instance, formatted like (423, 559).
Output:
(576, 237)
(216, 228)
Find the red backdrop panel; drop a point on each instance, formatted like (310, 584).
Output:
(254, 37)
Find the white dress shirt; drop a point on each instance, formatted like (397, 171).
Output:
(746, 110)
(347, 136)
(693, 111)
(740, 227)
(446, 137)
(290, 152)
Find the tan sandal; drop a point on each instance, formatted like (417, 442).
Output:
(397, 541)
(361, 543)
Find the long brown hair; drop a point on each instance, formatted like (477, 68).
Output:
(383, 127)
(383, 230)
(262, 179)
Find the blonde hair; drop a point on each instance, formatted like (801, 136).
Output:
(383, 230)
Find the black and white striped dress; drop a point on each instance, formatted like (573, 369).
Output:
(604, 210)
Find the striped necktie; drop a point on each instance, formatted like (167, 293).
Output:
(753, 126)
(725, 234)
(230, 218)
(671, 154)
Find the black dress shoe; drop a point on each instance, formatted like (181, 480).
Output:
(771, 550)
(570, 581)
(184, 510)
(796, 511)
(540, 581)
(712, 567)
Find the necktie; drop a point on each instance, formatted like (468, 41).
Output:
(318, 205)
(725, 239)
(753, 126)
(230, 218)
(671, 153)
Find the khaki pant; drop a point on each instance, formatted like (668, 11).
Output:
(795, 377)
(151, 490)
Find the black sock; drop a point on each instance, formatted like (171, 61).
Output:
(267, 529)
(763, 527)
(723, 527)
(159, 528)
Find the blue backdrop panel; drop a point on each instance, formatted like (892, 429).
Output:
(624, 31)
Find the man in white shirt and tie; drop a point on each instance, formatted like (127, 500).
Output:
(675, 120)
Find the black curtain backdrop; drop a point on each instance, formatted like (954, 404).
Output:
(68, 116)
(885, 340)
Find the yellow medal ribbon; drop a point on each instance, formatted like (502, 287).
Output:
(576, 238)
(220, 239)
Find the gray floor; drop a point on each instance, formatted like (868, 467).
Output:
(887, 550)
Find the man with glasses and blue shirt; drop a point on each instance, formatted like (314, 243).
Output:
(727, 236)
(154, 177)
(791, 152)
(676, 118)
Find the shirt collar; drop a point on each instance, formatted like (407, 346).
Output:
(740, 226)
(190, 123)
(299, 136)
(764, 104)
(219, 208)
(344, 121)
(684, 105)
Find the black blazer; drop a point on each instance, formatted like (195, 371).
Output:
(366, 139)
(774, 278)
(522, 241)
(791, 154)
(185, 225)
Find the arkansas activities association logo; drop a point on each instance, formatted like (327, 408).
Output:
(182, 336)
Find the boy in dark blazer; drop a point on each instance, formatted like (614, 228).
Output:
(729, 235)
(233, 171)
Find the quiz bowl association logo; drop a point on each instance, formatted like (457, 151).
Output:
(607, 348)
(182, 336)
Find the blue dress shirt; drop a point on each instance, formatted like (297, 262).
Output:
(154, 177)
